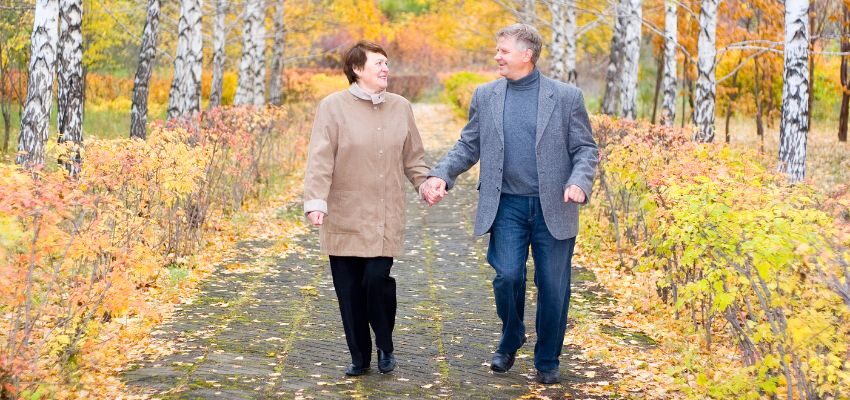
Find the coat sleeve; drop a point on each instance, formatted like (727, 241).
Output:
(466, 151)
(582, 148)
(413, 153)
(321, 156)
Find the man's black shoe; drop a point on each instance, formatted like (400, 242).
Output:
(386, 361)
(502, 362)
(354, 370)
(548, 377)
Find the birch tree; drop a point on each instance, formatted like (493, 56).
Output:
(251, 89)
(141, 83)
(219, 38)
(185, 96)
(844, 113)
(631, 58)
(278, 52)
(706, 88)
(528, 12)
(615, 61)
(558, 46)
(668, 82)
(794, 125)
(571, 36)
(35, 118)
(70, 97)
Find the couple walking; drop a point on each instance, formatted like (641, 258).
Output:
(538, 160)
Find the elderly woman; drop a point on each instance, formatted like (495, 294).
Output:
(364, 144)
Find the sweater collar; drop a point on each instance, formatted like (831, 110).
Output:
(358, 92)
(526, 82)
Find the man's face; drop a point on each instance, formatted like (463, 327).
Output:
(513, 59)
(374, 74)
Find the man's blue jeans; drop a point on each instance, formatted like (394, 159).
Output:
(519, 224)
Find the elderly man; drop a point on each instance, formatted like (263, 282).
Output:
(538, 160)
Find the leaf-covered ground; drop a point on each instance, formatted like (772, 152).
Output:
(265, 324)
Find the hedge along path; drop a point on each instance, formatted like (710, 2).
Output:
(270, 327)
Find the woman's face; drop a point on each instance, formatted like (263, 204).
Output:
(373, 76)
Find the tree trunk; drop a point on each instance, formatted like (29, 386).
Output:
(252, 83)
(659, 74)
(5, 101)
(668, 102)
(35, 120)
(732, 97)
(185, 96)
(686, 84)
(528, 12)
(570, 32)
(70, 49)
(615, 61)
(141, 84)
(557, 49)
(631, 59)
(276, 84)
(757, 94)
(219, 39)
(706, 89)
(845, 77)
(794, 125)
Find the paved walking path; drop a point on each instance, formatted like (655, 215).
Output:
(273, 330)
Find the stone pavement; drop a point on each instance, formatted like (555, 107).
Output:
(273, 330)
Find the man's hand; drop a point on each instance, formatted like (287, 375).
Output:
(433, 190)
(316, 217)
(574, 194)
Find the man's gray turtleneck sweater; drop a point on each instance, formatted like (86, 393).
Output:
(520, 125)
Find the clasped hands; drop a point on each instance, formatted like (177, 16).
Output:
(434, 189)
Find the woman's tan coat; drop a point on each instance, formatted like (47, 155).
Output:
(360, 154)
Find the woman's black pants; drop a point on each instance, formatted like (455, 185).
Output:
(366, 294)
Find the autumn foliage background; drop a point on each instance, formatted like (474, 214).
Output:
(742, 280)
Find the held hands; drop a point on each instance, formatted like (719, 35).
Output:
(316, 217)
(433, 190)
(574, 194)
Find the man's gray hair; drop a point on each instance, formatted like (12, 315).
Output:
(526, 36)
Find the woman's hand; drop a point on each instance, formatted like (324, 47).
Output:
(316, 217)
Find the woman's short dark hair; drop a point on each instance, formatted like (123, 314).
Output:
(355, 57)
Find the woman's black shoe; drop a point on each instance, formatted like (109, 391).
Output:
(386, 361)
(354, 370)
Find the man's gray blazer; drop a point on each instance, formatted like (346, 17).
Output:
(566, 152)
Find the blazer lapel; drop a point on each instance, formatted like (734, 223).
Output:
(499, 107)
(545, 106)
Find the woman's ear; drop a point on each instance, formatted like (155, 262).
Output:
(357, 71)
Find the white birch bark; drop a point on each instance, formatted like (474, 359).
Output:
(528, 12)
(570, 32)
(219, 39)
(35, 119)
(706, 88)
(557, 48)
(251, 88)
(185, 96)
(70, 74)
(278, 52)
(141, 83)
(631, 58)
(615, 61)
(668, 82)
(794, 125)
